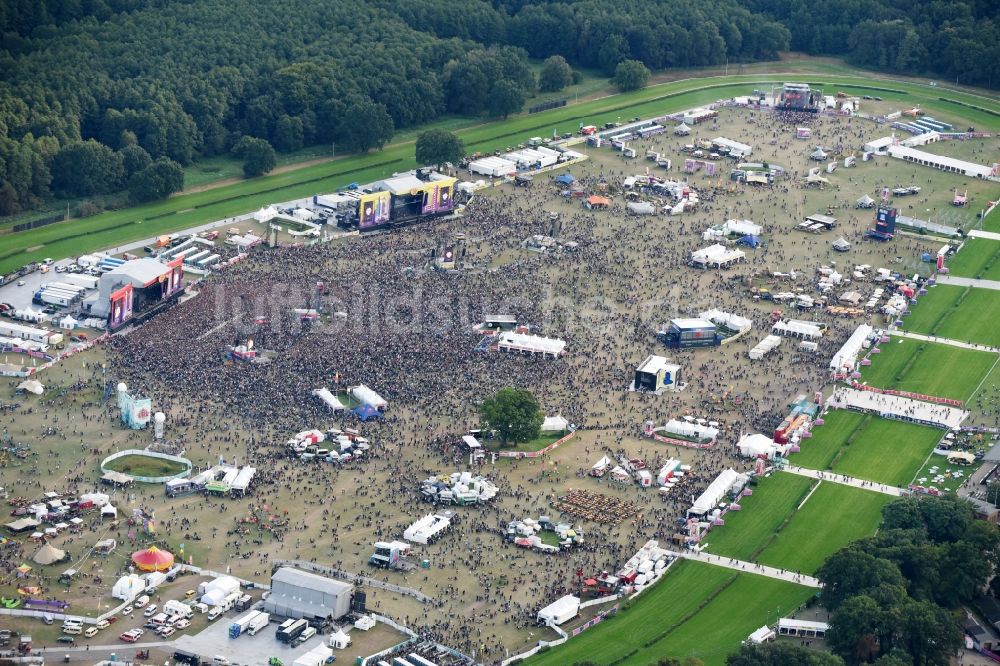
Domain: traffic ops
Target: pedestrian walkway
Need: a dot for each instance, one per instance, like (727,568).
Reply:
(844,480)
(750,567)
(979,233)
(943,341)
(968,282)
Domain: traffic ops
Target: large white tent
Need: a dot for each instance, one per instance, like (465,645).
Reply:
(728,480)
(366,396)
(331,401)
(717,255)
(757,445)
(847,356)
(128,587)
(510,341)
(554,424)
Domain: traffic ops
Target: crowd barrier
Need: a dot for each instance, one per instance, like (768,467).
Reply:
(150,454)
(907,394)
(663,439)
(537,454)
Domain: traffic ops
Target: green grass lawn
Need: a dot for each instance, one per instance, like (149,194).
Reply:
(888,451)
(832,517)
(819,451)
(746,531)
(114,228)
(719,628)
(975,319)
(958,313)
(932,369)
(710,632)
(977,259)
(536,444)
(667,603)
(931,308)
(145,466)
(951,482)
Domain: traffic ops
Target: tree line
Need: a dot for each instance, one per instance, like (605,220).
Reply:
(959,40)
(181,80)
(93,92)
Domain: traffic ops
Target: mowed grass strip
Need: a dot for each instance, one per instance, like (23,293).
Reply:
(888,451)
(746,531)
(975,319)
(820,450)
(718,629)
(931,308)
(966,314)
(832,517)
(678,595)
(923,367)
(977,259)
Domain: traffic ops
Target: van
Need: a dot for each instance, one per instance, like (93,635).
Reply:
(141,601)
(214,613)
(201,608)
(306,634)
(91,632)
(73,629)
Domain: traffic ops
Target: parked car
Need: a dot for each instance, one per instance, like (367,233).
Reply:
(150,610)
(130,636)
(182,623)
(69,640)
(103,624)
(166,630)
(128,610)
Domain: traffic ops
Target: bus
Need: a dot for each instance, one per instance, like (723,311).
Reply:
(290,630)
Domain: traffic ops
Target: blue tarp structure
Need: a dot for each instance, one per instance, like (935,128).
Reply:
(565,179)
(366,412)
(749,240)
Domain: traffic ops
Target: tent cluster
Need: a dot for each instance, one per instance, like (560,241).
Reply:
(526,533)
(341,445)
(458,488)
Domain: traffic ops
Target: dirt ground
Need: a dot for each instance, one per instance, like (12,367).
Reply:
(609,307)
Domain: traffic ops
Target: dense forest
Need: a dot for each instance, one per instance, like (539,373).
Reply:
(97,96)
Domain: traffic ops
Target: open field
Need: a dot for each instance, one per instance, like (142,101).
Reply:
(145,466)
(974,319)
(820,450)
(747,531)
(977,259)
(108,229)
(536,444)
(966,314)
(832,517)
(931,308)
(888,452)
(677,596)
(719,628)
(932,369)
(737,604)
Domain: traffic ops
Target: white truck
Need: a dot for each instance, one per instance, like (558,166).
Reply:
(242,623)
(257,623)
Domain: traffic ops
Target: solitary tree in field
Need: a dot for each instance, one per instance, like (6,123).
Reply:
(630,75)
(438,146)
(257,155)
(556,74)
(514,414)
(505,98)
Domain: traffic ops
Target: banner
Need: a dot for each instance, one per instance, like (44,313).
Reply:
(374,209)
(121,306)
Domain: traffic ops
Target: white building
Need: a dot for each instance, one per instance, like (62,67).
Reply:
(944,163)
(757,445)
(847,356)
(727,481)
(366,396)
(493,167)
(736,149)
(560,611)
(716,255)
(798,329)
(525,343)
(427,529)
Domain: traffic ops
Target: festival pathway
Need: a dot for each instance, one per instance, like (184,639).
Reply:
(750,567)
(844,480)
(942,341)
(984,234)
(968,282)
